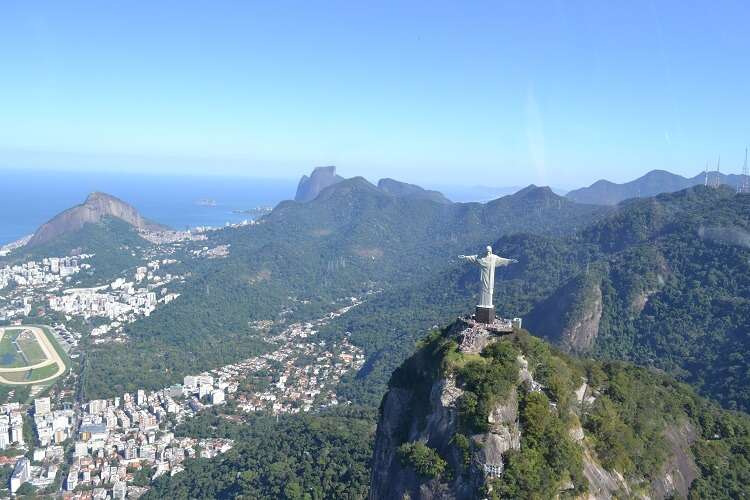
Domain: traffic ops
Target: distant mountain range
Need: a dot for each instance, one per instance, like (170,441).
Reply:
(604,192)
(323,177)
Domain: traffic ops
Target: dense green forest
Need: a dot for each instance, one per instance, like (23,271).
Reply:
(296,457)
(674,277)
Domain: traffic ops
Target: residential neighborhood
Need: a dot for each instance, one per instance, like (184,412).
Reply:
(113,448)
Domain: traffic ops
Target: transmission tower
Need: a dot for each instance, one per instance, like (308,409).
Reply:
(705,174)
(717,176)
(745,180)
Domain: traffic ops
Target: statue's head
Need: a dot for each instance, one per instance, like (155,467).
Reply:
(489,250)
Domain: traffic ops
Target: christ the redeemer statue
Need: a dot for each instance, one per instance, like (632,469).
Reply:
(487,263)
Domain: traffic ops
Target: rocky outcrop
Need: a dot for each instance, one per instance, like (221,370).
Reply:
(603,484)
(96,207)
(423,406)
(571,315)
(394,416)
(680,469)
(404,190)
(400,422)
(581,331)
(321,178)
(504,435)
(390,479)
(310,187)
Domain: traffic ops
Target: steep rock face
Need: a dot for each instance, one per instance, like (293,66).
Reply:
(571,316)
(680,469)
(390,479)
(387,472)
(437,428)
(504,434)
(603,484)
(426,405)
(93,210)
(310,187)
(404,190)
(580,333)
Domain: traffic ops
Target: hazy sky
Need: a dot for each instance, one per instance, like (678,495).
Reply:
(493,93)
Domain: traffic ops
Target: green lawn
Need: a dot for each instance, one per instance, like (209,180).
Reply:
(31,375)
(10,357)
(31,349)
(18,376)
(44,372)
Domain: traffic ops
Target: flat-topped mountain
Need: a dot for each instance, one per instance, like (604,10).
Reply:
(604,192)
(92,211)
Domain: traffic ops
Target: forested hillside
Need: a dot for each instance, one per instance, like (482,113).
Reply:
(662,282)
(295,457)
(659,281)
(520,419)
(670,289)
(305,258)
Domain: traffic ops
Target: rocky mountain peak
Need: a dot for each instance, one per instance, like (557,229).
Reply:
(310,187)
(457,424)
(96,207)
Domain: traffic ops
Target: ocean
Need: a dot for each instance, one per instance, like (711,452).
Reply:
(29,198)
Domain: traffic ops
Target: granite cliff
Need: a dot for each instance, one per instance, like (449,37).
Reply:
(474,414)
(310,187)
(322,178)
(97,207)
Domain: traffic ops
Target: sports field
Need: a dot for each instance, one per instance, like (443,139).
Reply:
(28,355)
(19,347)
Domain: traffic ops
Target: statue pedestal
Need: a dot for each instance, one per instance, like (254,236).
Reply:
(485,314)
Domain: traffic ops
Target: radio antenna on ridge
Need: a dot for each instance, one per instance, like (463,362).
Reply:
(716,182)
(744,186)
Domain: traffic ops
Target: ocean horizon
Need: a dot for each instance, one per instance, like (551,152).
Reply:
(29,198)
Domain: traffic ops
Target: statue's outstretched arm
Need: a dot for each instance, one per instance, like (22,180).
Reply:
(502,261)
(469,258)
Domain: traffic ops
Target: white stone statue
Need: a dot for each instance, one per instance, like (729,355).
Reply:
(487,263)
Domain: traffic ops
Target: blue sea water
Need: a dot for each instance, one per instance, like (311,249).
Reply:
(28,198)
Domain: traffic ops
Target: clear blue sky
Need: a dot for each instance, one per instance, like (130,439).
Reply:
(493,93)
